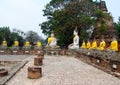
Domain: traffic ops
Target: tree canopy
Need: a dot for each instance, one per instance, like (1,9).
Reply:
(9,36)
(33,37)
(64,15)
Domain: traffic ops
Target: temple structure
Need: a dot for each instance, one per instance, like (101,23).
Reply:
(105,26)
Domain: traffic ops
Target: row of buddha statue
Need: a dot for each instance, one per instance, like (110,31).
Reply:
(52,43)
(16,43)
(102,46)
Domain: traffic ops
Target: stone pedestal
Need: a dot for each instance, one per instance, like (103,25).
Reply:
(2,52)
(34,72)
(14,51)
(26,52)
(38,61)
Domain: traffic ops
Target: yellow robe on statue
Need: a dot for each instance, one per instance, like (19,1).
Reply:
(16,43)
(27,43)
(102,45)
(83,45)
(38,44)
(88,45)
(114,45)
(50,39)
(94,45)
(4,43)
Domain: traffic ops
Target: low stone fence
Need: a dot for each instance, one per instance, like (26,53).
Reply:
(108,61)
(19,52)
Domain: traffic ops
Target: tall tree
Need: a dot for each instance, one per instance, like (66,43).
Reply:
(33,37)
(5,33)
(64,15)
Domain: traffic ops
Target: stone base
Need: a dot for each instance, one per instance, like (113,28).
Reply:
(51,51)
(27,52)
(34,72)
(2,52)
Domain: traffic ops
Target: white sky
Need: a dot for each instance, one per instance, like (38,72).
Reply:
(26,15)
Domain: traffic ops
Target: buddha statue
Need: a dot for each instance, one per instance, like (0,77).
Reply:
(88,45)
(52,42)
(16,43)
(83,44)
(75,44)
(38,44)
(114,45)
(27,44)
(4,43)
(102,45)
(94,44)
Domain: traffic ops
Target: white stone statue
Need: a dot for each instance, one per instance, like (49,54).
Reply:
(75,44)
(90,31)
(52,41)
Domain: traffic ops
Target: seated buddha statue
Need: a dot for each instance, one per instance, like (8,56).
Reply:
(4,43)
(102,45)
(38,44)
(75,44)
(94,44)
(16,43)
(114,45)
(88,45)
(27,44)
(52,42)
(83,44)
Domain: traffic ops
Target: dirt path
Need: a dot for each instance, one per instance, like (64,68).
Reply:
(63,70)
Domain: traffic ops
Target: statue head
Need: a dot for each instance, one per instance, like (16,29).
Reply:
(52,34)
(75,31)
(114,38)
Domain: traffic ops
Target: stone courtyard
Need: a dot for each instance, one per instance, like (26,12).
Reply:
(60,70)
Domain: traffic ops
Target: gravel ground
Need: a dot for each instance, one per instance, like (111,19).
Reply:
(63,70)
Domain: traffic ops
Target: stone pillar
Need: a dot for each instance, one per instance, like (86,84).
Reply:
(34,72)
(38,61)
(41,53)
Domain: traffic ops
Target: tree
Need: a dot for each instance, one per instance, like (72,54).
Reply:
(10,37)
(64,15)
(33,37)
(5,33)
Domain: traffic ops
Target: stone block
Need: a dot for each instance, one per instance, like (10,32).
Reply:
(34,72)
(38,61)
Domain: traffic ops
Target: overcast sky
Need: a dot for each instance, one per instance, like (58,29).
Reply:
(27,14)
